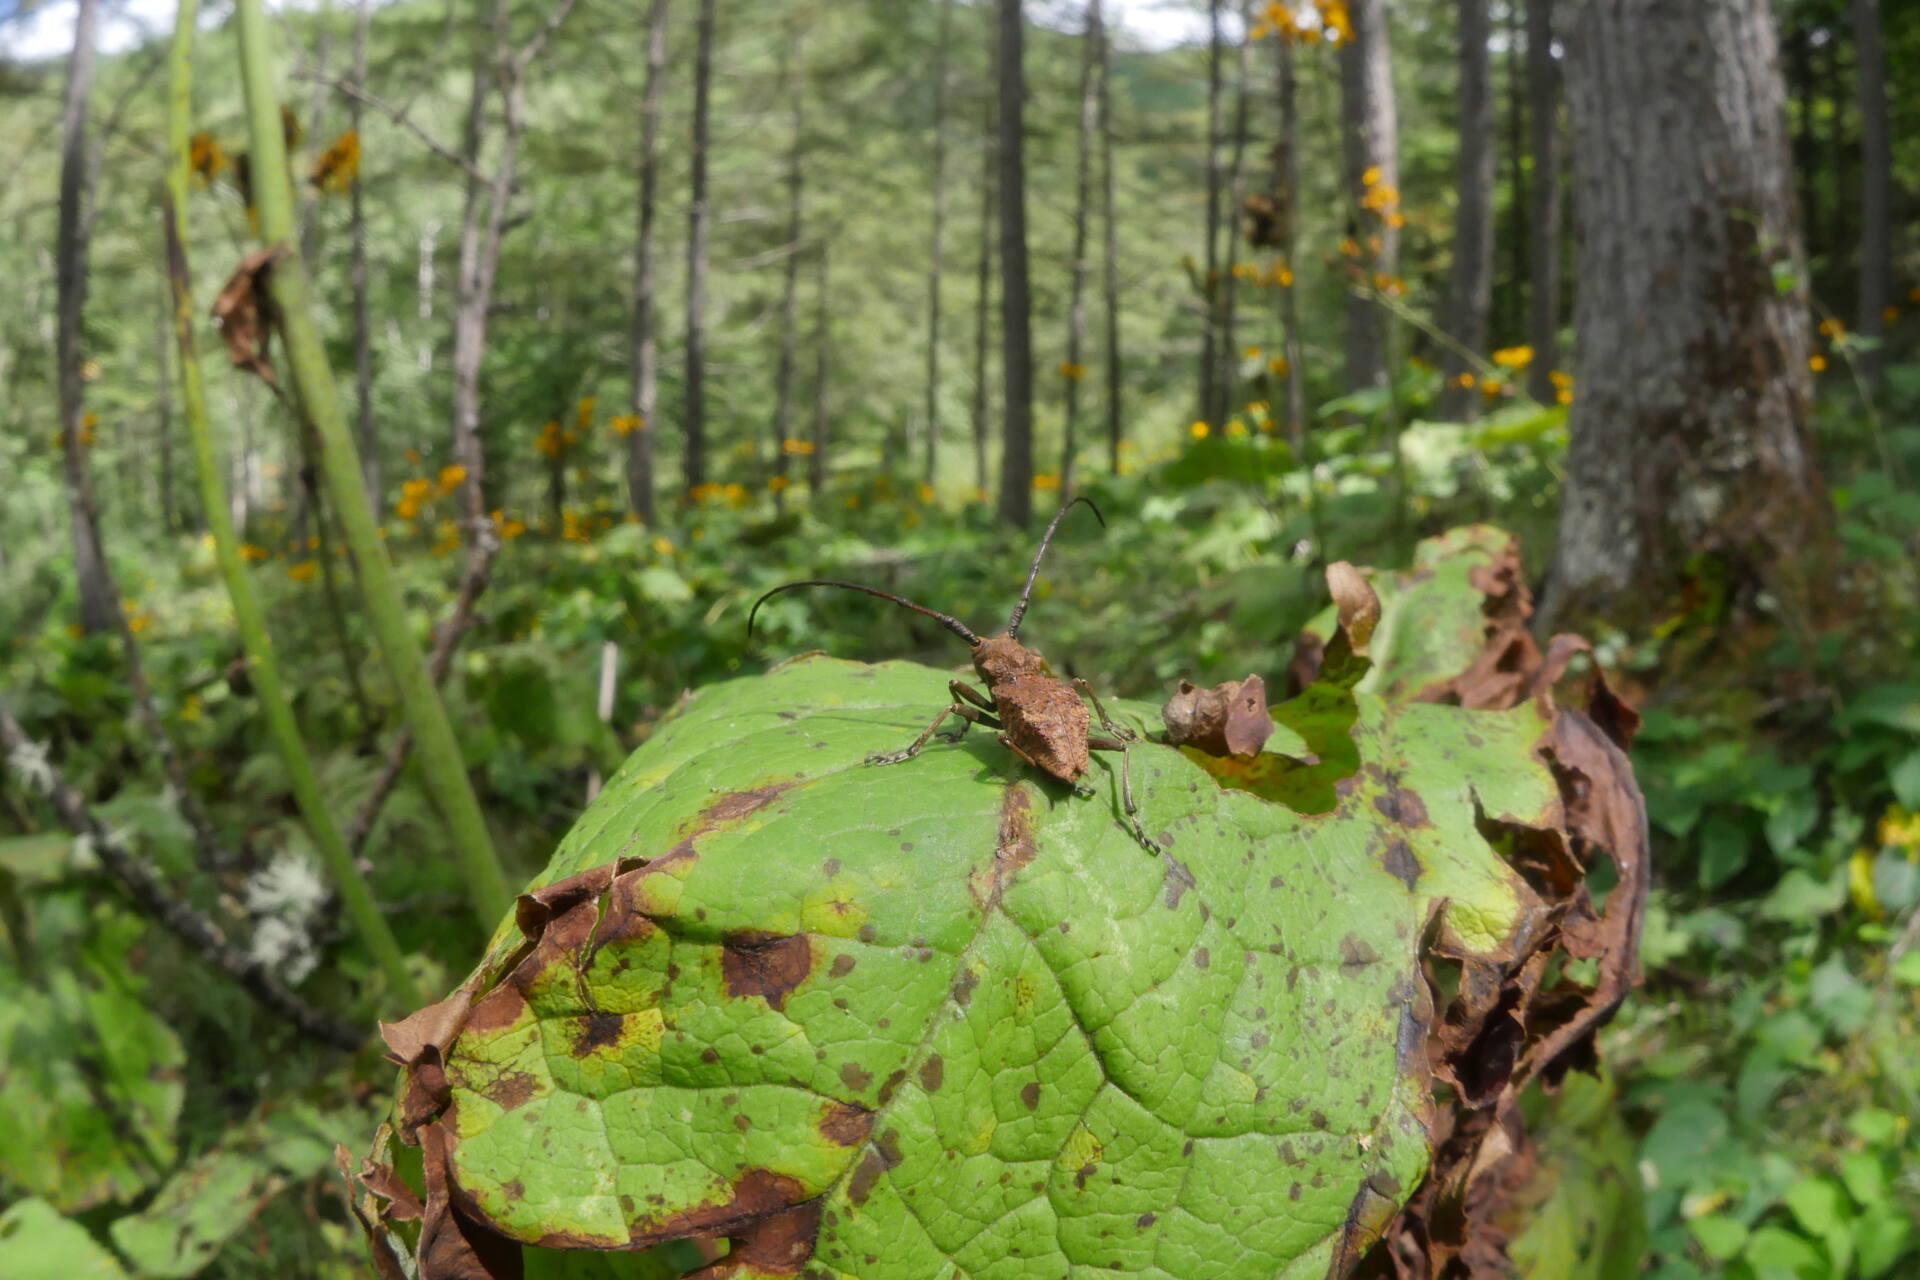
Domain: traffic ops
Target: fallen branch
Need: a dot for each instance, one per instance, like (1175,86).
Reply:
(151,898)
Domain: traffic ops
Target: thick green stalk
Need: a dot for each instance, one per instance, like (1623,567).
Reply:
(252,622)
(439,752)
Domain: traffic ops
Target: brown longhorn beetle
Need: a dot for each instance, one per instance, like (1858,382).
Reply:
(1041,718)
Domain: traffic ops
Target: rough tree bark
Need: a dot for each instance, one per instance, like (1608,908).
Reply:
(694,464)
(1287,201)
(1227,380)
(790,288)
(983,279)
(1543,222)
(1470,286)
(645,347)
(1369,142)
(931,443)
(1210,262)
(99,607)
(1016,303)
(822,339)
(1876,183)
(1110,250)
(1076,368)
(1513,309)
(1689,431)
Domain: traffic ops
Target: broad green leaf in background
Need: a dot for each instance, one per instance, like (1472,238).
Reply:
(36,1243)
(946,1018)
(92,1087)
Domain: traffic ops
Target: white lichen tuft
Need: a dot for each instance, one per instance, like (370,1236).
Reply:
(285,898)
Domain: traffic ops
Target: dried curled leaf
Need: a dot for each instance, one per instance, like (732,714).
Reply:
(245,313)
(1230,719)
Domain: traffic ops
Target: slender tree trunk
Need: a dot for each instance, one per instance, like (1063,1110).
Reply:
(1226,382)
(1470,288)
(695,461)
(1016,305)
(983,282)
(822,341)
(1110,251)
(1876,183)
(1369,138)
(1514,310)
(1210,261)
(364,434)
(473,283)
(930,445)
(1689,433)
(1287,184)
(790,289)
(164,363)
(645,361)
(1076,369)
(1842,233)
(1543,116)
(99,606)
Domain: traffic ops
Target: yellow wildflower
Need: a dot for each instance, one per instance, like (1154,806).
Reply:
(1466,381)
(1899,829)
(777,483)
(452,477)
(625,424)
(1561,379)
(1513,357)
(1817,362)
(1236,428)
(797,448)
(1071,371)
(584,411)
(1278,366)
(1251,353)
(1563,396)
(1046,482)
(1832,328)
(338,165)
(301,570)
(661,547)
(1199,430)
(1370,175)
(250,552)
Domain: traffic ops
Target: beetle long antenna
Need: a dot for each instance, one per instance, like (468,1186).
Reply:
(1026,592)
(954,625)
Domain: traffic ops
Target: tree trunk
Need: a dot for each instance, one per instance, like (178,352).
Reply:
(1369,143)
(1543,116)
(931,443)
(1226,383)
(99,607)
(1287,204)
(1016,305)
(1514,309)
(1210,277)
(983,282)
(1470,287)
(1110,251)
(1689,433)
(1076,368)
(357,273)
(822,338)
(473,283)
(645,361)
(783,378)
(694,465)
(164,414)
(1876,184)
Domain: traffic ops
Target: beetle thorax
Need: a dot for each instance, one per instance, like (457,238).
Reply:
(1000,659)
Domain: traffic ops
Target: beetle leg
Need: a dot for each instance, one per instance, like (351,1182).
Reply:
(1120,732)
(964,692)
(967,715)
(1129,810)
(1010,745)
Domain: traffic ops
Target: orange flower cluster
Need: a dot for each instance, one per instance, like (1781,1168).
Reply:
(1307,22)
(552,439)
(338,165)
(625,424)
(732,494)
(796,448)
(204,157)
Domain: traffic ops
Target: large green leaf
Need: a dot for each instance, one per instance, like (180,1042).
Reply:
(36,1243)
(90,1077)
(947,1018)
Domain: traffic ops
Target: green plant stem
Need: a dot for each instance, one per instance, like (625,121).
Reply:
(442,768)
(355,896)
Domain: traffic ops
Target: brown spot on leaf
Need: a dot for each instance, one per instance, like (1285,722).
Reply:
(846,1124)
(842,966)
(1030,1095)
(757,963)
(1357,953)
(1176,880)
(963,984)
(511,1089)
(855,1077)
(1013,848)
(933,1073)
(597,1030)
(1400,805)
(1400,862)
